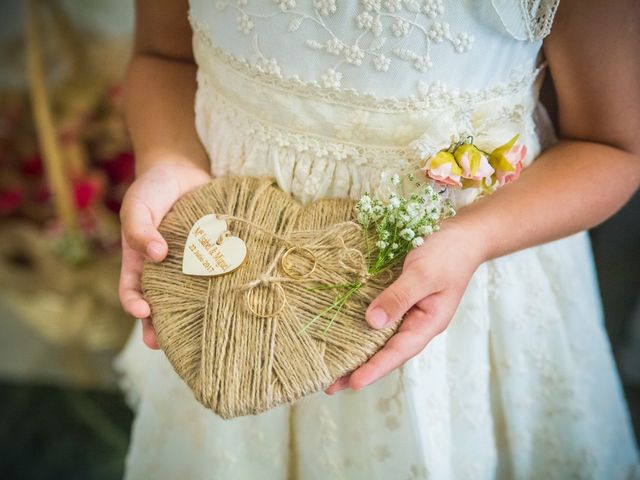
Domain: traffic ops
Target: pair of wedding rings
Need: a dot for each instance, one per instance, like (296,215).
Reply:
(286,267)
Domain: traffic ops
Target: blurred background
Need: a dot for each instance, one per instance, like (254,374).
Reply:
(65,163)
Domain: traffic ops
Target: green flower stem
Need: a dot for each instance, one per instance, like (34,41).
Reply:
(338,302)
(347,296)
(329,287)
(366,238)
(325,310)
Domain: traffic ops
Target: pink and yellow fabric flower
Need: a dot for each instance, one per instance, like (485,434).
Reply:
(444,169)
(465,165)
(507,161)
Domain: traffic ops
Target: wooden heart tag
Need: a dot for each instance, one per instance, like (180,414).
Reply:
(208,251)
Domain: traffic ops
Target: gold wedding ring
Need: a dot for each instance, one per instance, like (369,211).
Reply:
(288,270)
(281,294)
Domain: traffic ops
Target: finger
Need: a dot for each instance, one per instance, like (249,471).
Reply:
(140,231)
(423,322)
(339,384)
(393,302)
(129,286)
(149,334)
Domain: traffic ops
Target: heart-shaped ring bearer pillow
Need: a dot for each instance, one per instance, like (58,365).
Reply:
(230,301)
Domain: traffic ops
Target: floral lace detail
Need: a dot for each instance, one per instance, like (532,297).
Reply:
(539,16)
(432,96)
(380,21)
(383,26)
(392,406)
(327,437)
(527,19)
(344,144)
(297,141)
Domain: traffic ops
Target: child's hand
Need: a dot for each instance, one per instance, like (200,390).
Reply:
(434,277)
(145,204)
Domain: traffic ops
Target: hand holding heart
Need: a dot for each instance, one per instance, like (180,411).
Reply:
(146,202)
(427,294)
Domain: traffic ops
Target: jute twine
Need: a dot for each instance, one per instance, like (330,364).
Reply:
(234,338)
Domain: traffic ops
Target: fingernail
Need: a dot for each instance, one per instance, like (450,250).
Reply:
(154,249)
(378,317)
(338,386)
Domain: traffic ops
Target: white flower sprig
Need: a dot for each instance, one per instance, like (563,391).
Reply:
(400,224)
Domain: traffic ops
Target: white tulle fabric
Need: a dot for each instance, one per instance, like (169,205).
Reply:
(331,97)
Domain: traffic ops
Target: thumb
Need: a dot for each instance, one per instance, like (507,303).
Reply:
(393,302)
(141,233)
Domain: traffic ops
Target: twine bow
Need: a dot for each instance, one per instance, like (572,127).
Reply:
(266,278)
(350,259)
(359,267)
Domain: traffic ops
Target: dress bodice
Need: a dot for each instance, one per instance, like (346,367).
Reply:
(331,95)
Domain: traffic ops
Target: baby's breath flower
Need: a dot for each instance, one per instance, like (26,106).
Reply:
(413,209)
(362,217)
(377,211)
(450,211)
(394,201)
(425,230)
(365,202)
(399,223)
(407,234)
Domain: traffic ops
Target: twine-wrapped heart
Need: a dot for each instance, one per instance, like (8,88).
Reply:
(234,338)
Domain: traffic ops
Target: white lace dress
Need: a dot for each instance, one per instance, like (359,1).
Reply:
(327,96)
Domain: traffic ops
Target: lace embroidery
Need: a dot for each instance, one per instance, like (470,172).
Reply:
(320,146)
(429,96)
(342,148)
(381,20)
(378,21)
(392,406)
(527,19)
(327,438)
(539,16)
